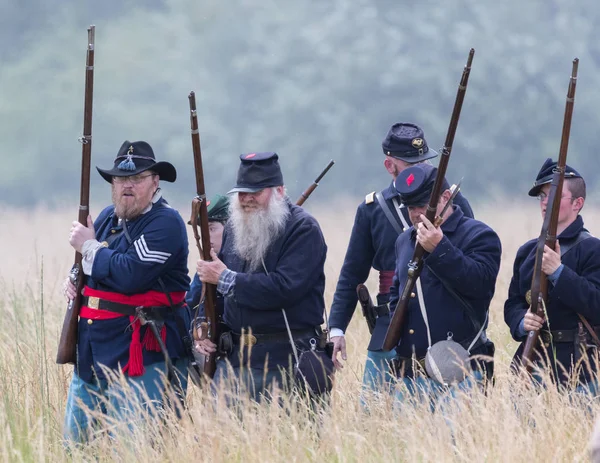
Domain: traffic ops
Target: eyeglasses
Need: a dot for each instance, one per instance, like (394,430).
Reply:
(134,179)
(543,196)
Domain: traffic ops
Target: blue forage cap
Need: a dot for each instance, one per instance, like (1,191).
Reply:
(407,142)
(545,174)
(415,183)
(258,171)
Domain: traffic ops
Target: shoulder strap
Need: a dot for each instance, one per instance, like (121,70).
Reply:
(584,235)
(388,213)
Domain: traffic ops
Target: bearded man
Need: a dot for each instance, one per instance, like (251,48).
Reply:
(135,269)
(271,273)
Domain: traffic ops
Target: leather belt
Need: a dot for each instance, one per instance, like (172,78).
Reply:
(565,335)
(117,307)
(250,339)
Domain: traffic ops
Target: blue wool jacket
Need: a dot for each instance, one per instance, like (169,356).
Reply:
(467,259)
(295,281)
(577,290)
(130,269)
(371,246)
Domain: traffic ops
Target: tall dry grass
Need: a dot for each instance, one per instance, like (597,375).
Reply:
(512,423)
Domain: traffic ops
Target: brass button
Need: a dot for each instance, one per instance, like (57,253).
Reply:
(113,231)
(90,321)
(412,294)
(411,331)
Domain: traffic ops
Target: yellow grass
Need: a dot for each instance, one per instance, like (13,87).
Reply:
(511,423)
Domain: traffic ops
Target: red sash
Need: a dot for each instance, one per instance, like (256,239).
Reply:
(135,365)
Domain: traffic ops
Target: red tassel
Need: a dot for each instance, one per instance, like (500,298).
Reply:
(150,343)
(135,366)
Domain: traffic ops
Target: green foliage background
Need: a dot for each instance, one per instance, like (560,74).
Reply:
(312,80)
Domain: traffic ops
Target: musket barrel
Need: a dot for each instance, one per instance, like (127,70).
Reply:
(392,337)
(67,345)
(539,283)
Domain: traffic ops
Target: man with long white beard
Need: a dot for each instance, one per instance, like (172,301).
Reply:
(135,269)
(271,273)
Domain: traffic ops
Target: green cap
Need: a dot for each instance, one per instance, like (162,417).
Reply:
(218,208)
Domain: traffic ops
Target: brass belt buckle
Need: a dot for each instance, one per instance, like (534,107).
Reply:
(93,302)
(246,339)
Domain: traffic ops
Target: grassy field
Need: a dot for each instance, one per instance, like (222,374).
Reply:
(512,423)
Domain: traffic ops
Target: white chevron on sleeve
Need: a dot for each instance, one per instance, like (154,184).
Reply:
(146,255)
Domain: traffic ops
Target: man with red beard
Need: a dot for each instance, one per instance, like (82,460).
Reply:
(135,269)
(271,272)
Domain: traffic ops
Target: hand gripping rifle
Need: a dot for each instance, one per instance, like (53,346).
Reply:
(67,345)
(539,282)
(415,266)
(369,309)
(209,328)
(304,196)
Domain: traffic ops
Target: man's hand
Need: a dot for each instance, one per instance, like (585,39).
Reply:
(551,259)
(205,347)
(532,322)
(339,346)
(69,289)
(80,234)
(209,272)
(428,236)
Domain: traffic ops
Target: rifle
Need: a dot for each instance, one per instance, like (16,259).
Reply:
(67,345)
(304,196)
(369,309)
(539,282)
(415,266)
(209,328)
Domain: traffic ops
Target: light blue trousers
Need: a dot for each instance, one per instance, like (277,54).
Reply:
(111,399)
(378,373)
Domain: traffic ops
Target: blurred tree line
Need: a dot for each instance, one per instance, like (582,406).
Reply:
(311,80)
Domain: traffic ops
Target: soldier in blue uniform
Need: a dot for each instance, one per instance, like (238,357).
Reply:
(271,273)
(453,293)
(378,222)
(573,271)
(218,213)
(134,256)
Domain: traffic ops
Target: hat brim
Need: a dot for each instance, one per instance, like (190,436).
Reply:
(244,190)
(415,159)
(165,171)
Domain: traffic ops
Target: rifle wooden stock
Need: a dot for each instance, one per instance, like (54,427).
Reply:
(199,209)
(304,196)
(539,282)
(415,266)
(67,345)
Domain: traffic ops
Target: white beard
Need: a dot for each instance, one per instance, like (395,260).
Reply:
(253,232)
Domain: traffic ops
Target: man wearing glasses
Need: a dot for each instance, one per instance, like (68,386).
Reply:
(135,269)
(573,271)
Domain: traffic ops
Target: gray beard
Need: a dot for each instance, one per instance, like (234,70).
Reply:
(254,232)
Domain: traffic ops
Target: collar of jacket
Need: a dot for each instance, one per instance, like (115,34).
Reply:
(573,230)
